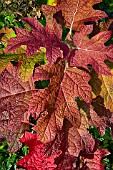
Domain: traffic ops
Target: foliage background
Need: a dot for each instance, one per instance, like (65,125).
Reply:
(10,13)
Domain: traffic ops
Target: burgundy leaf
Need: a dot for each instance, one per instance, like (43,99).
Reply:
(48,37)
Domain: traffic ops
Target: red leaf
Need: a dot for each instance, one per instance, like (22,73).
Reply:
(48,37)
(58,99)
(75,12)
(36,159)
(92,51)
(14,102)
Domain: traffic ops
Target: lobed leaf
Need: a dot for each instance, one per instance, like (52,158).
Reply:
(57,101)
(75,12)
(92,51)
(63,109)
(25,64)
(6,34)
(36,159)
(48,37)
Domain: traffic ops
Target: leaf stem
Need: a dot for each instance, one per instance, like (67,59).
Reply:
(70,31)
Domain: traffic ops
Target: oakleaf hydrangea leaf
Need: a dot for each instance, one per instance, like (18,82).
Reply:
(14,102)
(6,35)
(107,90)
(25,64)
(93,161)
(48,37)
(75,12)
(92,51)
(36,159)
(58,100)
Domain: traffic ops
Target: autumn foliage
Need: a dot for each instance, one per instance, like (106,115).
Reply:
(79,93)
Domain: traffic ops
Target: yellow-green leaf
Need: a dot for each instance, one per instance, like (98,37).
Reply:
(27,66)
(52,2)
(8,33)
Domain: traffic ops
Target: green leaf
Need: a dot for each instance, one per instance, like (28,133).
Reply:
(25,150)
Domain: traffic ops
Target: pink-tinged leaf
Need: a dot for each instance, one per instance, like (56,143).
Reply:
(48,37)
(14,102)
(36,159)
(92,51)
(75,12)
(57,101)
(93,161)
